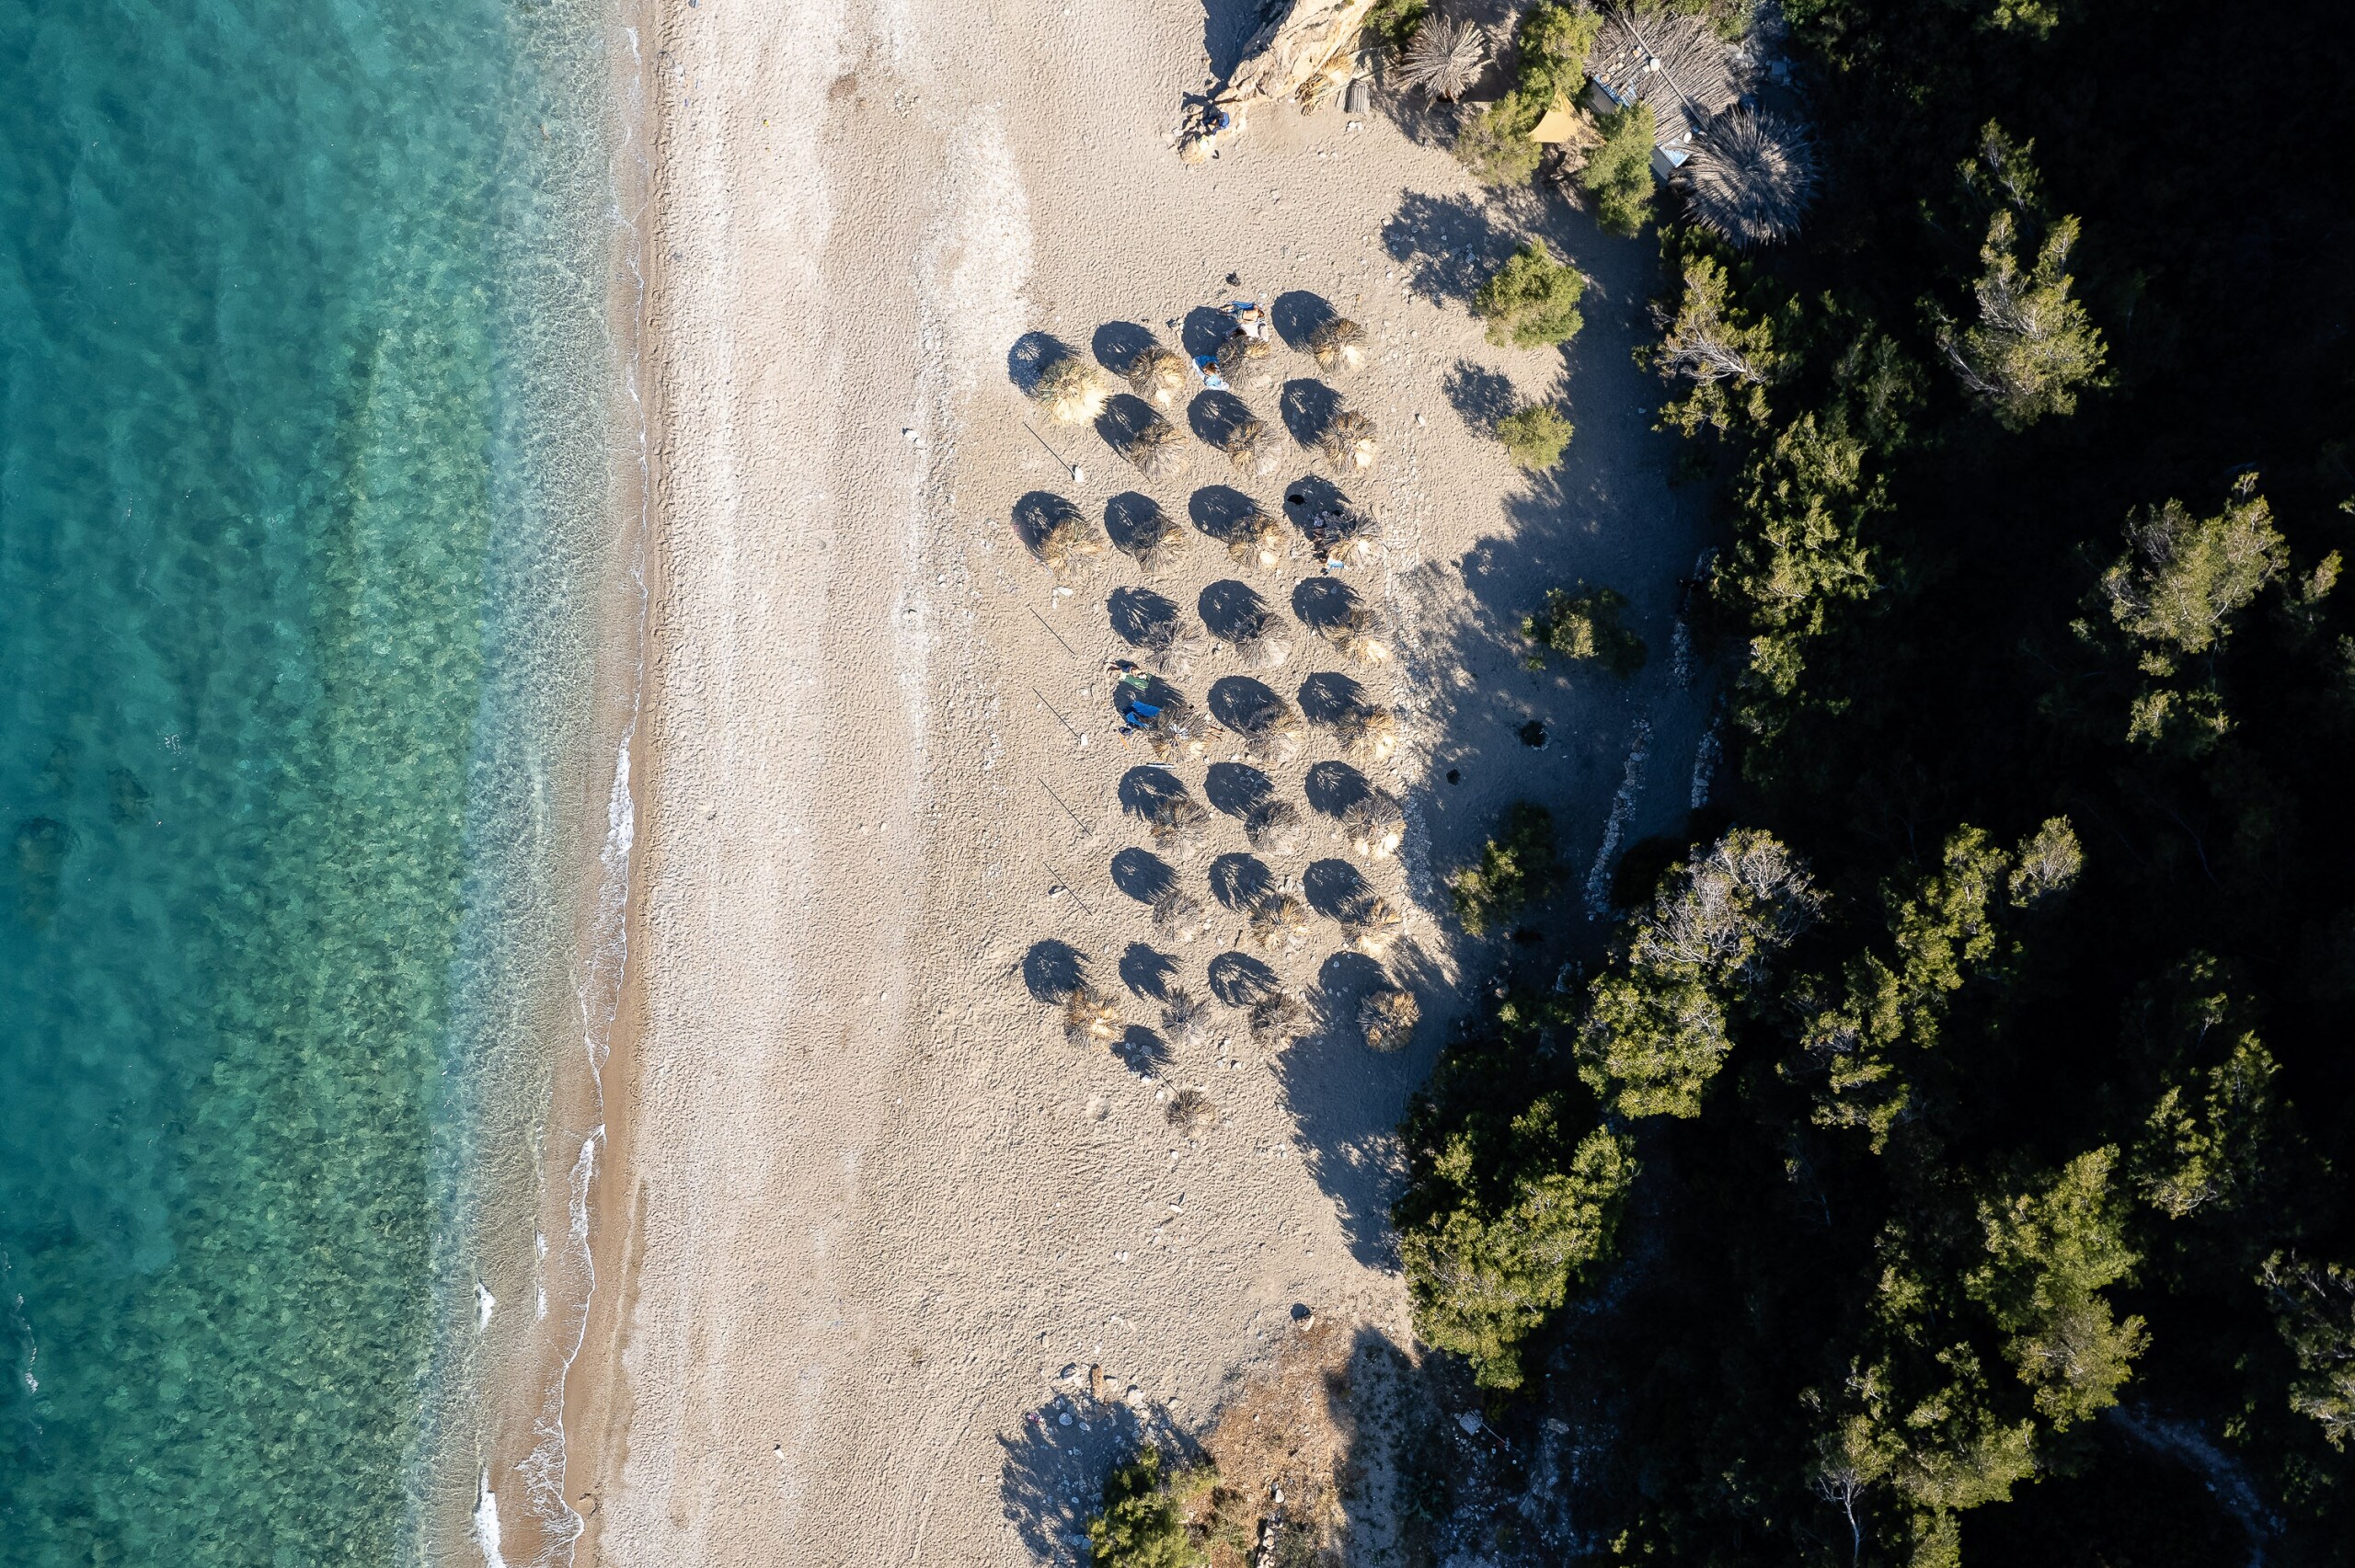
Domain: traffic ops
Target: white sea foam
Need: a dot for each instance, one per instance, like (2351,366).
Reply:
(486,1517)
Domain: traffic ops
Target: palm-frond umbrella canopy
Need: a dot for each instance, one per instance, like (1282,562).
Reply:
(1192,1113)
(1259,539)
(1178,915)
(1371,923)
(1374,826)
(1158,375)
(1071,391)
(1091,1018)
(1445,57)
(1349,444)
(1185,1019)
(1276,1020)
(1356,633)
(1387,1015)
(1159,448)
(1256,450)
(1339,345)
(1368,732)
(1273,827)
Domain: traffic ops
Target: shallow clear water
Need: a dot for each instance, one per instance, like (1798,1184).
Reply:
(303,506)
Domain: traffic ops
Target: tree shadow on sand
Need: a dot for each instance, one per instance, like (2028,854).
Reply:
(1346,1099)
(1449,244)
(1052,1468)
(1479,396)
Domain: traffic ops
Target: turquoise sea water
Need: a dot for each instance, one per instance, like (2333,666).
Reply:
(304,394)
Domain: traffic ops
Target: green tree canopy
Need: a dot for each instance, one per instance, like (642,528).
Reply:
(1532,300)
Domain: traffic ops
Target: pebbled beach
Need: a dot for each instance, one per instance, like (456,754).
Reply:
(863,1207)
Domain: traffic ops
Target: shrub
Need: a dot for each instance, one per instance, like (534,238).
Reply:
(1392,23)
(1143,1521)
(1532,301)
(1535,435)
(1495,144)
(1553,41)
(1619,171)
(1585,625)
(1515,871)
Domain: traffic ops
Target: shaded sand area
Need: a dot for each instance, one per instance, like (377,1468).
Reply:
(866,1206)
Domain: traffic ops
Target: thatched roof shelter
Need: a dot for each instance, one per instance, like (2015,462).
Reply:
(1445,57)
(1750,176)
(1671,60)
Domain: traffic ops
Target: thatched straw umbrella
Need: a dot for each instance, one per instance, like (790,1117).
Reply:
(1066,544)
(1750,176)
(1178,915)
(1269,727)
(1355,633)
(1445,57)
(1192,1113)
(1159,448)
(1348,444)
(1339,345)
(1090,1017)
(1179,823)
(1387,1015)
(1254,449)
(1071,391)
(1186,1019)
(1278,1019)
(1273,827)
(1371,922)
(1159,375)
(1176,730)
(1339,535)
(1368,732)
(1280,919)
(1239,352)
(1155,542)
(1262,638)
(1372,826)
(1259,539)
(1169,648)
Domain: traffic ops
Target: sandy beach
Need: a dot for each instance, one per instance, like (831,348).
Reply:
(862,1205)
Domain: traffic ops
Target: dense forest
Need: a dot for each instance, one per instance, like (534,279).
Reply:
(1949,1161)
